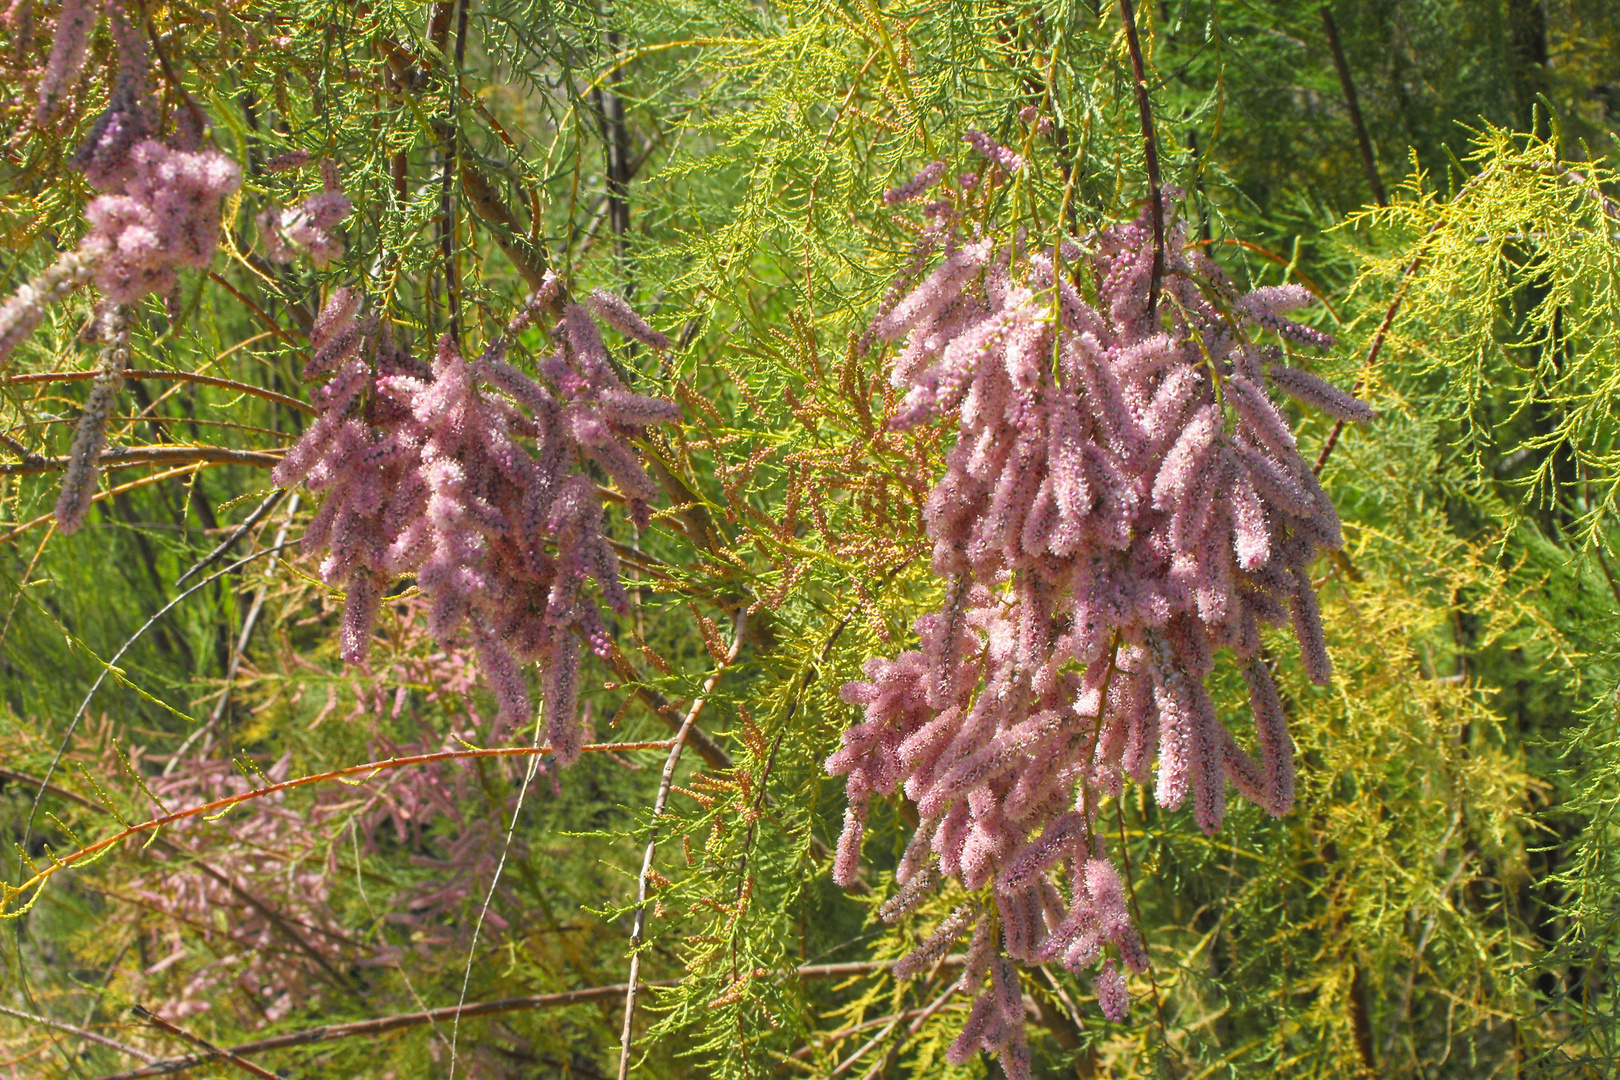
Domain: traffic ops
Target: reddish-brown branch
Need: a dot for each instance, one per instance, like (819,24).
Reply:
(214,1052)
(1150,150)
(182,376)
(217,806)
(271,324)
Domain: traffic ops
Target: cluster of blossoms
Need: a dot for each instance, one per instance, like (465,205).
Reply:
(158,213)
(1123,500)
(308,227)
(427,472)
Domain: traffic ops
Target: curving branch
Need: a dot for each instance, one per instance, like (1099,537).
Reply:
(8,893)
(122,457)
(181,376)
(676,745)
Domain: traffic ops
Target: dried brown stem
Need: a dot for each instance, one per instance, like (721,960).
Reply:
(1150,150)
(1352,104)
(123,457)
(214,1053)
(384,1024)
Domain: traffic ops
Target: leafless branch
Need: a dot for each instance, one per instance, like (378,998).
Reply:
(639,927)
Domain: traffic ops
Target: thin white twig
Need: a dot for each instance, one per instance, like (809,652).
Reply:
(506,847)
(639,928)
(252,620)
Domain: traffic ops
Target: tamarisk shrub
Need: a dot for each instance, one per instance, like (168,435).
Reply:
(462,474)
(1123,500)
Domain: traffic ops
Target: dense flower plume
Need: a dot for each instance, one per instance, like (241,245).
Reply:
(428,472)
(1123,500)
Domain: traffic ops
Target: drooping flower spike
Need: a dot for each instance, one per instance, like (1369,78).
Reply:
(1105,524)
(470,476)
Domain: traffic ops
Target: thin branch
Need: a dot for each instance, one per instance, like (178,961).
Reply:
(370,768)
(639,927)
(213,1052)
(1354,106)
(88,1036)
(282,924)
(1150,150)
(887,1061)
(240,531)
(382,1025)
(145,481)
(1389,318)
(248,623)
(123,457)
(6,892)
(700,740)
(182,376)
(271,324)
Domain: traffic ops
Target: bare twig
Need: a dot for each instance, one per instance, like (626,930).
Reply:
(180,376)
(240,531)
(369,768)
(214,1053)
(1354,106)
(916,1026)
(383,1025)
(6,891)
(248,623)
(88,1036)
(700,740)
(639,926)
(123,457)
(1150,150)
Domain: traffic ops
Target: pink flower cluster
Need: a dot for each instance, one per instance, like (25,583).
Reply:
(1123,500)
(428,472)
(162,218)
(160,208)
(308,227)
(159,213)
(992,151)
